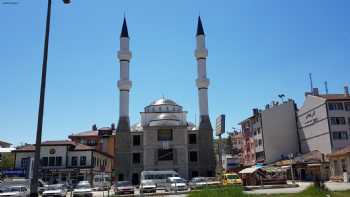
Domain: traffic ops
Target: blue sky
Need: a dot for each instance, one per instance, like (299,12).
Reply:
(257,50)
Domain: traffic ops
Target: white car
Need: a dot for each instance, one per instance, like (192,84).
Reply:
(148,186)
(57,190)
(83,189)
(176,184)
(18,191)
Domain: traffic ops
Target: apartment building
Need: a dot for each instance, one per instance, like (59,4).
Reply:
(270,134)
(324,121)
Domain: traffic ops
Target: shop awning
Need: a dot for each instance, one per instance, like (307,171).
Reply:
(249,170)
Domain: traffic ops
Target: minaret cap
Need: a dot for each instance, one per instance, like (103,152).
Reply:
(200,30)
(124,32)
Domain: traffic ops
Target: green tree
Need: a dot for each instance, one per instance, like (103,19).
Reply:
(6,160)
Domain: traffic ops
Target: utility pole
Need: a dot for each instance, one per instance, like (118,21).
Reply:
(34,180)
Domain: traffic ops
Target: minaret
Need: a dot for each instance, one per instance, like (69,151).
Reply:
(123,148)
(124,84)
(201,54)
(206,158)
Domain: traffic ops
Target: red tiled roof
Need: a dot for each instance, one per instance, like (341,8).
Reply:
(343,151)
(25,148)
(85,133)
(77,146)
(335,96)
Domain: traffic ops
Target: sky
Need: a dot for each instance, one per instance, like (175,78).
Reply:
(257,50)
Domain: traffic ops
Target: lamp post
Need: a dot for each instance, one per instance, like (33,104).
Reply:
(291,156)
(34,180)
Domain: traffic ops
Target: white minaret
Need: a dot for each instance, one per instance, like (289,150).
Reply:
(124,84)
(201,54)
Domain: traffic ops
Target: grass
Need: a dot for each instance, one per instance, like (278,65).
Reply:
(235,191)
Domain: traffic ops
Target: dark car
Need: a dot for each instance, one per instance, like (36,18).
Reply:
(123,187)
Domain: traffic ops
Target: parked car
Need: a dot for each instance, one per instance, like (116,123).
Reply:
(57,190)
(176,184)
(148,186)
(102,182)
(198,182)
(231,179)
(83,189)
(16,191)
(124,187)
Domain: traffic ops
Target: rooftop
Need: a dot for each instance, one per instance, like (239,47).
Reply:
(77,146)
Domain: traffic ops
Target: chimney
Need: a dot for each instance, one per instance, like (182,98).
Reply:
(255,111)
(94,127)
(315,92)
(113,126)
(346,91)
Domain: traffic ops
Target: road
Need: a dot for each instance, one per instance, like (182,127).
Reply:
(137,193)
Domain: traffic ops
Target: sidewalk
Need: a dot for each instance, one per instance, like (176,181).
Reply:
(302,186)
(337,186)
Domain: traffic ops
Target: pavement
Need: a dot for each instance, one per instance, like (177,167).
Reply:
(302,187)
(137,193)
(337,186)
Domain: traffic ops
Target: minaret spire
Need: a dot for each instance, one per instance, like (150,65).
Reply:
(124,32)
(201,54)
(124,84)
(200,30)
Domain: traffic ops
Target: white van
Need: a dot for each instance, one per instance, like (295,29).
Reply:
(102,182)
(158,177)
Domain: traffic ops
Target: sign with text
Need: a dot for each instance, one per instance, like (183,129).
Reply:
(220,125)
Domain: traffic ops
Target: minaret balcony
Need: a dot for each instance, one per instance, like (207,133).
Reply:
(124,55)
(202,83)
(201,53)
(124,85)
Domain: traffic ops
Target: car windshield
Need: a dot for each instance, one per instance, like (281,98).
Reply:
(54,187)
(14,189)
(178,181)
(147,182)
(83,186)
(198,179)
(123,183)
(232,176)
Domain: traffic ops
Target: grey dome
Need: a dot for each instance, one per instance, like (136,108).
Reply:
(163,101)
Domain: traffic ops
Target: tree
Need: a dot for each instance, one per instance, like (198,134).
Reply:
(6,160)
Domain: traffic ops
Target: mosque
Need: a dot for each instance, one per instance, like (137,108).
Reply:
(164,139)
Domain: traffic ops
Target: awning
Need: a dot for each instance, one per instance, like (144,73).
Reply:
(314,164)
(249,170)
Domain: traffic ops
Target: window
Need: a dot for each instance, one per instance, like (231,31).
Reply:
(337,120)
(193,156)
(44,161)
(51,161)
(82,160)
(165,154)
(120,177)
(93,161)
(136,140)
(24,162)
(260,142)
(91,142)
(136,158)
(347,106)
(74,161)
(340,135)
(58,161)
(349,121)
(343,165)
(165,135)
(192,138)
(82,141)
(194,174)
(335,106)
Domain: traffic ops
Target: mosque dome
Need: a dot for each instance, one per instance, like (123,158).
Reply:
(163,105)
(163,101)
(165,119)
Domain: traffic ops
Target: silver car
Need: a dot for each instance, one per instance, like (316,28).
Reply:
(18,191)
(58,190)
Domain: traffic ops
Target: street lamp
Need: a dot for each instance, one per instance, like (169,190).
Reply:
(34,180)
